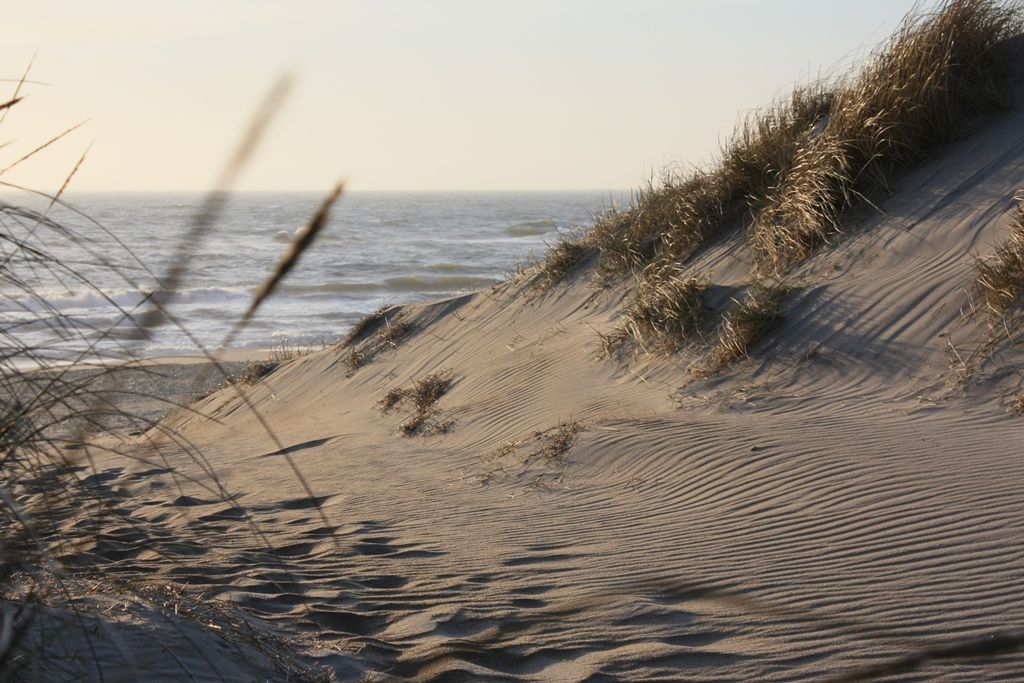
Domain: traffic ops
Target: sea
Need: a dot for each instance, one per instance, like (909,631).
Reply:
(78,281)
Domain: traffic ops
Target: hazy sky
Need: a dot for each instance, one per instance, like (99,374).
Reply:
(408,95)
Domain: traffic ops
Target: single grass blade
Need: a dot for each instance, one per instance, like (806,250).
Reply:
(43,146)
(10,103)
(17,89)
(303,240)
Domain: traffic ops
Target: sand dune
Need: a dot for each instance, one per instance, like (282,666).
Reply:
(841,498)
(834,501)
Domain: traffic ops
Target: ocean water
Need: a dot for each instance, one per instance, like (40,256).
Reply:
(379,248)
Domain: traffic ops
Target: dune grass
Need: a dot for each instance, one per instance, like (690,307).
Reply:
(999,278)
(671,217)
(255,370)
(793,171)
(795,174)
(422,397)
(667,309)
(752,319)
(561,260)
(923,88)
(384,329)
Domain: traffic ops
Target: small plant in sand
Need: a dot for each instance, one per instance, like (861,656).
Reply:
(547,448)
(667,309)
(256,370)
(999,278)
(749,322)
(556,441)
(422,396)
(380,331)
(366,325)
(284,349)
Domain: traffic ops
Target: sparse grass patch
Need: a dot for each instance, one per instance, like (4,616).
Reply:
(999,279)
(255,370)
(365,325)
(380,331)
(285,349)
(391,399)
(556,441)
(614,343)
(667,309)
(544,463)
(759,313)
(925,86)
(423,396)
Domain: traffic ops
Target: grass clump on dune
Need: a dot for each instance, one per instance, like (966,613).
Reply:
(673,217)
(383,329)
(667,309)
(999,280)
(929,82)
(561,260)
(758,314)
(255,370)
(423,396)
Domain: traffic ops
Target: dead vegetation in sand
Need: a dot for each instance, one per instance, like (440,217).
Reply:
(752,318)
(667,309)
(542,465)
(671,217)
(382,330)
(254,371)
(997,294)
(561,260)
(422,398)
(999,279)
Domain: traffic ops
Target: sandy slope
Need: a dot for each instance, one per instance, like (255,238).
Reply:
(831,502)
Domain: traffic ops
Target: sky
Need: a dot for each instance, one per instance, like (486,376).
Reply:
(407,95)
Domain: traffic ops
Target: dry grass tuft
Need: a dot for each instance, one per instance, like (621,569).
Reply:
(556,441)
(366,325)
(285,349)
(667,309)
(423,396)
(256,370)
(758,314)
(999,280)
(561,260)
(378,332)
(921,89)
